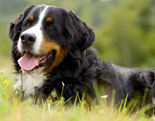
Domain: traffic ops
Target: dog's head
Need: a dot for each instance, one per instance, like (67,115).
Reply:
(44,35)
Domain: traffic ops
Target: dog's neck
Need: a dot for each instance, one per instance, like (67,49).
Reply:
(28,82)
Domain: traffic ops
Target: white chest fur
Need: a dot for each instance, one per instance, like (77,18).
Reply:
(29,81)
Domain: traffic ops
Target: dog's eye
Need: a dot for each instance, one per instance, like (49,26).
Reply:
(28,24)
(51,27)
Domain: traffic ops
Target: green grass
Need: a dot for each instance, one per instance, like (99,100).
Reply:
(12,109)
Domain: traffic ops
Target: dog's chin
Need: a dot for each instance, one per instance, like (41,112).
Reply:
(29,61)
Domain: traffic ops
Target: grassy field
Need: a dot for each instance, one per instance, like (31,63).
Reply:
(130,45)
(12,109)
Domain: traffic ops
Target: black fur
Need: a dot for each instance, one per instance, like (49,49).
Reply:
(81,68)
(14,33)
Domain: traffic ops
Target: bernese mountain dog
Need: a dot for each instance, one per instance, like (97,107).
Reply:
(51,50)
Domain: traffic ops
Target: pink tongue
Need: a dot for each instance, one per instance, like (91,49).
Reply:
(28,62)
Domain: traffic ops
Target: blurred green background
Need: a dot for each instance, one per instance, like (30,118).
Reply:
(125,29)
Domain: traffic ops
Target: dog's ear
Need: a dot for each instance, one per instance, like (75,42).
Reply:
(79,36)
(15,26)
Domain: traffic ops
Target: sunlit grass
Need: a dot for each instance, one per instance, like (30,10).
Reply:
(12,109)
(5,63)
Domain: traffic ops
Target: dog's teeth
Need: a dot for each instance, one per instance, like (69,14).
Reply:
(42,57)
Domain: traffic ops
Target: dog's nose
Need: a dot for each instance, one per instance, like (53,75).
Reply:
(28,39)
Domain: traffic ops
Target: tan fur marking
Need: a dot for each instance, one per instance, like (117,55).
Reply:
(31,18)
(49,19)
(61,52)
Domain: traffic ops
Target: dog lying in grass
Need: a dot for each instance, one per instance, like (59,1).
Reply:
(52,50)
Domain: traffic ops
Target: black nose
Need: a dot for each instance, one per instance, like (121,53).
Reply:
(28,39)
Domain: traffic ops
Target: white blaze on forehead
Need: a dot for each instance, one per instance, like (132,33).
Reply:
(36,30)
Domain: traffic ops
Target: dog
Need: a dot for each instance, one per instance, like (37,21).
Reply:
(52,50)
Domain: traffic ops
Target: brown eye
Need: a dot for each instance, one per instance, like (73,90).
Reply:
(28,24)
(51,27)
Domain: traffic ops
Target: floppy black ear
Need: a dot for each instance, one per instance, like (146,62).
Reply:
(14,33)
(79,35)
(15,26)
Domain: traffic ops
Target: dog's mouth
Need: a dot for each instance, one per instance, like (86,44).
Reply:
(29,61)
